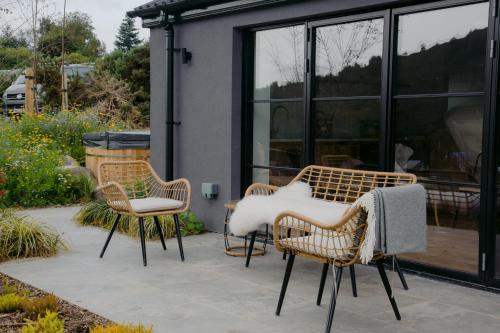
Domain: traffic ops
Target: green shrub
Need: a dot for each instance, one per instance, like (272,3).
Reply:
(39,306)
(121,329)
(50,323)
(64,129)
(191,224)
(11,303)
(22,237)
(32,152)
(10,288)
(15,57)
(99,214)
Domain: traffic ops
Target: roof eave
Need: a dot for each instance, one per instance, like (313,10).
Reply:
(173,8)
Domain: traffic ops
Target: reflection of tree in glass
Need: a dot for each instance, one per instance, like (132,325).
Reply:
(290,72)
(344,45)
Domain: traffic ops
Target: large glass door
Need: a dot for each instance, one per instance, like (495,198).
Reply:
(277,105)
(346,89)
(403,89)
(438,100)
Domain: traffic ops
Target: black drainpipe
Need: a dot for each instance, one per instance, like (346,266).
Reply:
(169,144)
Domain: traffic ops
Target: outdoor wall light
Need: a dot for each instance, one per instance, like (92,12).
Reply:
(209,190)
(186,55)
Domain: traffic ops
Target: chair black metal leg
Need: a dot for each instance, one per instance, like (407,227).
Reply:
(400,273)
(333,300)
(322,283)
(160,231)
(387,286)
(143,241)
(179,236)
(117,219)
(353,281)
(284,255)
(250,248)
(288,271)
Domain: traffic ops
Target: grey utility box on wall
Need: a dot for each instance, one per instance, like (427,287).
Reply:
(209,190)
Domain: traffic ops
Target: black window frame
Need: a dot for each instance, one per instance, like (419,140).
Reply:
(486,251)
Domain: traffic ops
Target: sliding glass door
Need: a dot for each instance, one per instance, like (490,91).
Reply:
(438,97)
(277,104)
(403,89)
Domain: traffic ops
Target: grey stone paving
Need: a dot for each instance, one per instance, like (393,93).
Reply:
(212,292)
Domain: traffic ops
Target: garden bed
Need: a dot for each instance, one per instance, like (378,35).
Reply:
(76,319)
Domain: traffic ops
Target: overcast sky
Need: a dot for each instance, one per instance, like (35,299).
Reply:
(105,14)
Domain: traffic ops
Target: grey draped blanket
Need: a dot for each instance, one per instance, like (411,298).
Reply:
(401,225)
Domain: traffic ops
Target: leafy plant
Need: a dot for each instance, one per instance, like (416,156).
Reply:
(99,214)
(121,329)
(22,236)
(11,303)
(191,224)
(32,152)
(39,306)
(50,323)
(10,288)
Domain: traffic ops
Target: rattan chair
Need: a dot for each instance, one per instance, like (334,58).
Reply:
(338,245)
(133,188)
(330,184)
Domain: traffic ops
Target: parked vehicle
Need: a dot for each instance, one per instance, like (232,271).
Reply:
(15,95)
(81,70)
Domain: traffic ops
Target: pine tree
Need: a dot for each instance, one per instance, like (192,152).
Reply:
(127,36)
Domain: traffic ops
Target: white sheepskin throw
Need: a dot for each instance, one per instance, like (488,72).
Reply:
(255,210)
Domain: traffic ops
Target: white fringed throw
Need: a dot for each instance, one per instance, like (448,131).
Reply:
(367,203)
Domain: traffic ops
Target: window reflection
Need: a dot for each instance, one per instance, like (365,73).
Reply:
(442,51)
(439,140)
(347,134)
(278,134)
(349,59)
(277,177)
(279,63)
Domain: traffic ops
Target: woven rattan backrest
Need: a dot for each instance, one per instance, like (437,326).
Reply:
(346,185)
(136,177)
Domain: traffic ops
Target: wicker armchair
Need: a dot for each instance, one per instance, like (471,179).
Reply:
(338,245)
(133,188)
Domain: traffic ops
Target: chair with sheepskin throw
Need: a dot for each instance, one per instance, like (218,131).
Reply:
(328,188)
(340,244)
(133,188)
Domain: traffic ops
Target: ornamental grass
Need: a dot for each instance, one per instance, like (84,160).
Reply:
(99,214)
(23,237)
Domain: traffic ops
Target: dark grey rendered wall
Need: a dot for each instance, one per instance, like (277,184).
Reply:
(208,98)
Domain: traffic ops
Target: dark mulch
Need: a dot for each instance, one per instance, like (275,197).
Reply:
(76,319)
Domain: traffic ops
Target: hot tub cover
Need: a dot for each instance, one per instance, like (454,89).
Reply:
(117,140)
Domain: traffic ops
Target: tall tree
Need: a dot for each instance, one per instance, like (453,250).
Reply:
(11,39)
(128,36)
(79,36)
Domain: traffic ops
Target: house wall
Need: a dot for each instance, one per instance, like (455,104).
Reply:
(208,97)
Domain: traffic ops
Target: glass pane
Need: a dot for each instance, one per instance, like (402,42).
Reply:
(279,63)
(349,59)
(442,50)
(273,176)
(278,130)
(439,140)
(347,134)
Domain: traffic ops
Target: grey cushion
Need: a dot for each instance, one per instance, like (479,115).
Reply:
(154,204)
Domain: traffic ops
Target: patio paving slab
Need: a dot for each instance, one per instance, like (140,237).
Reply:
(212,292)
